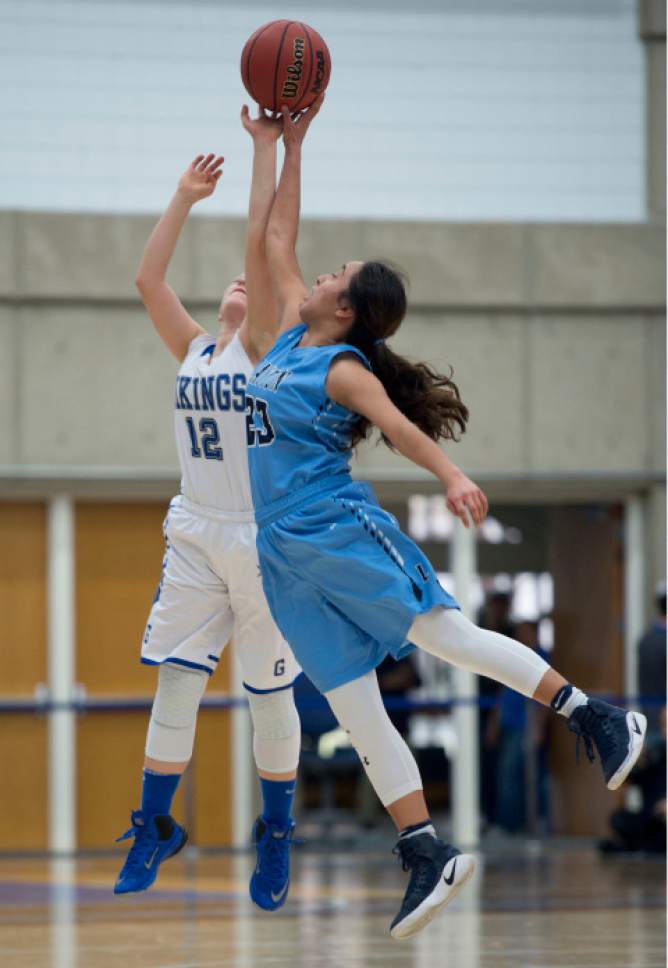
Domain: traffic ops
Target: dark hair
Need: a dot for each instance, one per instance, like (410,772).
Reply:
(661,604)
(429,399)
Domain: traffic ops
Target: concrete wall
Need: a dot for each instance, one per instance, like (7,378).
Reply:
(555,333)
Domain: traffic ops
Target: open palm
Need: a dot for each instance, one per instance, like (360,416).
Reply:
(199,180)
(264,127)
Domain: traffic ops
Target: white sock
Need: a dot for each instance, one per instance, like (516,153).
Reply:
(567,700)
(426,828)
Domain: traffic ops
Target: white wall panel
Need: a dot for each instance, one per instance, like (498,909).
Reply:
(495,110)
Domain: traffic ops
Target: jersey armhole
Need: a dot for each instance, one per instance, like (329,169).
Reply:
(345,350)
(200,343)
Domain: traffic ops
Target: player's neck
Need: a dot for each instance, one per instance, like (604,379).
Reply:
(322,333)
(226,334)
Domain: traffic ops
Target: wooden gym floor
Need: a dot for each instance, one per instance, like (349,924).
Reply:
(548,908)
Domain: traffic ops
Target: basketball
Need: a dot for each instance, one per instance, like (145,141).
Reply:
(285,62)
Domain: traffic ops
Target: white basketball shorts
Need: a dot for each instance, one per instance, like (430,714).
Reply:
(210,592)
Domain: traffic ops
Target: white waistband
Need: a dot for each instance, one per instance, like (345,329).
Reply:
(218,514)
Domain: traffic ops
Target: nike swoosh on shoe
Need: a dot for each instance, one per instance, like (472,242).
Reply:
(450,880)
(149,864)
(277,897)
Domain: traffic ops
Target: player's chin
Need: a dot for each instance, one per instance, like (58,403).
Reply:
(236,301)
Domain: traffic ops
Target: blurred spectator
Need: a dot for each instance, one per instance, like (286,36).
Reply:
(652,670)
(521,726)
(396,678)
(494,615)
(645,829)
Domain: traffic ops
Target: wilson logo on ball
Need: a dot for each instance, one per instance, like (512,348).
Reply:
(294,70)
(285,62)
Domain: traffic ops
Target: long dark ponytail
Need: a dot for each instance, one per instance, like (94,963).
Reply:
(429,399)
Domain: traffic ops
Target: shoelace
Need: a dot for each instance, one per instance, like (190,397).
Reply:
(141,848)
(275,856)
(596,725)
(418,862)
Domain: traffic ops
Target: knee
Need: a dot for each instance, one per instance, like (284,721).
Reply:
(274,714)
(277,731)
(171,731)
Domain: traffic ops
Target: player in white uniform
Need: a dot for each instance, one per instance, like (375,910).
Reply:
(210,589)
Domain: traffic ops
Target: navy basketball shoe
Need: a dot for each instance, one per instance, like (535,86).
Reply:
(270,880)
(155,841)
(617,735)
(438,873)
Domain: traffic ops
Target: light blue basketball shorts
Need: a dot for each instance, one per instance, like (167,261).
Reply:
(344,583)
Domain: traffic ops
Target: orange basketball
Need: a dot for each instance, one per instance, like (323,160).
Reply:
(285,62)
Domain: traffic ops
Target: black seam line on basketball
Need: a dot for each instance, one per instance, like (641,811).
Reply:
(277,104)
(307,86)
(250,88)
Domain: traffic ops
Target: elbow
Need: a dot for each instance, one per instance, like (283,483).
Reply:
(145,285)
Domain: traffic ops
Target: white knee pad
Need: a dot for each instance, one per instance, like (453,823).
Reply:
(388,762)
(277,730)
(171,730)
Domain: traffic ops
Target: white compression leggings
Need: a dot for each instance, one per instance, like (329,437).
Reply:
(447,634)
(171,730)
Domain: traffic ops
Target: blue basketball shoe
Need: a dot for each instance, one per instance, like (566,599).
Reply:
(617,735)
(438,873)
(270,880)
(155,841)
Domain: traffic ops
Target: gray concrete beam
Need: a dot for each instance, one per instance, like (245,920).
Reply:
(500,266)
(607,266)
(9,273)
(89,256)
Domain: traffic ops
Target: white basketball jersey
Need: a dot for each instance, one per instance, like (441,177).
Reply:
(210,425)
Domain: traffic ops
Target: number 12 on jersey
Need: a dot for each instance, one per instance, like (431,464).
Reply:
(208,443)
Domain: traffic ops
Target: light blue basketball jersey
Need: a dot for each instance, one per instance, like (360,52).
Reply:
(297,435)
(343,582)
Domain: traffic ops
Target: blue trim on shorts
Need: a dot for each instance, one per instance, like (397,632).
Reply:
(214,658)
(265,692)
(181,662)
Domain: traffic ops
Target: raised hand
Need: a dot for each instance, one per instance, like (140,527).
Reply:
(295,127)
(265,127)
(199,180)
(463,495)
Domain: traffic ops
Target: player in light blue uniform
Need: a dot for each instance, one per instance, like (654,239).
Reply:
(344,584)
(314,520)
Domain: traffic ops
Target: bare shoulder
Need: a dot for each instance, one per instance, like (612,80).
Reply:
(348,379)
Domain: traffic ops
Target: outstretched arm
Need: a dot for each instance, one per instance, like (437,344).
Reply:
(353,386)
(258,333)
(283,226)
(175,326)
